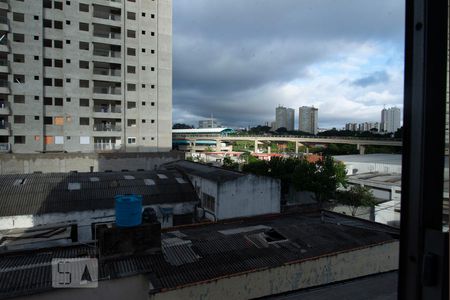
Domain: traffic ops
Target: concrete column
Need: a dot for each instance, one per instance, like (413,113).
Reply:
(192,146)
(296,147)
(218,145)
(362,149)
(269,149)
(256,146)
(307,149)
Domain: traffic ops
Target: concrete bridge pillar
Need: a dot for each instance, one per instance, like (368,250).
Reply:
(361,148)
(256,146)
(269,149)
(192,143)
(218,145)
(307,149)
(296,147)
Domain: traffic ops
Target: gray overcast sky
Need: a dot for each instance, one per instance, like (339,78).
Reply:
(239,59)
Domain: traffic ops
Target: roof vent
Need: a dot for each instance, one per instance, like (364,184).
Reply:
(128,177)
(162,176)
(180,180)
(20,181)
(74,186)
(94,179)
(149,182)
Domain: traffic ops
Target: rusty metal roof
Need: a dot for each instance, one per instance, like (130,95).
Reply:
(35,194)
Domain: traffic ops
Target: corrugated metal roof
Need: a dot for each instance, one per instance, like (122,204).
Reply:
(204,171)
(55,192)
(200,130)
(201,253)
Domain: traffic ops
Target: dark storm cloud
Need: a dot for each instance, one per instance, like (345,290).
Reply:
(374,78)
(226,51)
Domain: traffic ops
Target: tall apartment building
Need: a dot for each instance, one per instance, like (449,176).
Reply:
(390,119)
(85,75)
(284,117)
(308,119)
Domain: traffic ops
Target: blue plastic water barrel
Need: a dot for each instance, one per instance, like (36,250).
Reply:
(128,210)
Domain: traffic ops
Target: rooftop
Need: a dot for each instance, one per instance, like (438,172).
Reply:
(394,159)
(199,253)
(208,172)
(34,194)
(202,130)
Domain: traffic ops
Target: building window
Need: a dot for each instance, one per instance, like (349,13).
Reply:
(36,57)
(58,5)
(18,119)
(84,83)
(152,69)
(36,77)
(143,32)
(131,15)
(84,64)
(131,87)
(131,105)
(47,3)
(84,26)
(131,69)
(57,44)
(48,140)
(131,33)
(131,122)
(36,38)
(48,101)
(18,17)
(209,202)
(58,82)
(58,63)
(152,33)
(18,78)
(57,24)
(47,43)
(84,7)
(152,104)
(19,139)
(19,58)
(47,23)
(48,121)
(19,37)
(58,101)
(19,99)
(131,51)
(84,121)
(36,18)
(48,62)
(36,118)
(59,121)
(84,46)
(152,16)
(84,102)
(131,140)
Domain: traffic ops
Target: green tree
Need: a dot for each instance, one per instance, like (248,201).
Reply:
(357,196)
(229,164)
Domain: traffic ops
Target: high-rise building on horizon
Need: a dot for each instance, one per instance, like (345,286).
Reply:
(390,119)
(284,117)
(308,118)
(84,76)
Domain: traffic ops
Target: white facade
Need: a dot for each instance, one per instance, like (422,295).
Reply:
(284,117)
(244,196)
(390,119)
(308,118)
(84,76)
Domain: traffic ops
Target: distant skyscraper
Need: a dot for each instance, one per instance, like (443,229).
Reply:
(307,119)
(284,117)
(390,119)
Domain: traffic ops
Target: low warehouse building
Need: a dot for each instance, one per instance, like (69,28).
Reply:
(29,200)
(228,194)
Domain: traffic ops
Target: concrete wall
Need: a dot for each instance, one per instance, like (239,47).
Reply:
(249,195)
(205,186)
(81,162)
(304,274)
(135,287)
(84,219)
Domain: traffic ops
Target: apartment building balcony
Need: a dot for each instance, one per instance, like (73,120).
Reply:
(110,3)
(106,146)
(106,15)
(113,91)
(106,71)
(4,5)
(107,129)
(4,108)
(5,147)
(5,128)
(107,111)
(107,53)
(106,34)
(4,23)
(4,87)
(4,66)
